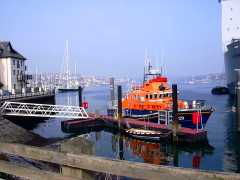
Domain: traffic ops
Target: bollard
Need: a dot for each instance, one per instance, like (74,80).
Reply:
(238,100)
(80,96)
(175,111)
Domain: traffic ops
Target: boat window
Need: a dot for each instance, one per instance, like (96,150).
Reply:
(155,96)
(150,96)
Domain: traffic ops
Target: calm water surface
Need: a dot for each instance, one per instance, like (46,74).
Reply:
(221,153)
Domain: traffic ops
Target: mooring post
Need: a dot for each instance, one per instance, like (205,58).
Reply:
(175,111)
(80,96)
(112,91)
(238,99)
(119,90)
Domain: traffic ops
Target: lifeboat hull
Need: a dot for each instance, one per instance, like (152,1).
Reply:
(185,117)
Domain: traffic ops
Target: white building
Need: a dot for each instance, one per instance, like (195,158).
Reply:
(231,40)
(12,69)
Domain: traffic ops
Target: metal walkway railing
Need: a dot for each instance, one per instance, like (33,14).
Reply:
(43,110)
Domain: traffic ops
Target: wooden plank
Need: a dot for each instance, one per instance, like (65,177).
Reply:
(116,167)
(29,173)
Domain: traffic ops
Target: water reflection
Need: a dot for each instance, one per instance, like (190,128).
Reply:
(159,153)
(222,134)
(153,153)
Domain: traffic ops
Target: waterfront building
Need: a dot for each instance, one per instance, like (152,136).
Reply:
(231,40)
(13,75)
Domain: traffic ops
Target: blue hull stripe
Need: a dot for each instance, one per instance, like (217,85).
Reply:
(185,118)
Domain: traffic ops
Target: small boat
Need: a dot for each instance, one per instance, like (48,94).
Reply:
(147,134)
(67,89)
(152,101)
(219,90)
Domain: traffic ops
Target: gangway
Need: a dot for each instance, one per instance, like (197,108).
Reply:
(43,110)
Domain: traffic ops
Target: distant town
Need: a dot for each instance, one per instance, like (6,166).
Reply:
(52,80)
(205,79)
(15,79)
(55,79)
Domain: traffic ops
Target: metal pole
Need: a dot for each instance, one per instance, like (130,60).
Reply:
(80,96)
(238,100)
(119,90)
(175,111)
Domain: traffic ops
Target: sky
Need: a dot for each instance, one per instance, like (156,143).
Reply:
(110,37)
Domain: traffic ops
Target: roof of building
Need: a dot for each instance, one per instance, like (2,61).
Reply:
(6,50)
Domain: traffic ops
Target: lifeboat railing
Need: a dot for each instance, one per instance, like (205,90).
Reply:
(197,104)
(166,117)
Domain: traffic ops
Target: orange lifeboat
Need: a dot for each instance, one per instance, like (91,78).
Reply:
(155,95)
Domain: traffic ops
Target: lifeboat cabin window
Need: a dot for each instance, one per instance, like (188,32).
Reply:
(150,96)
(160,96)
(155,96)
(165,95)
(147,96)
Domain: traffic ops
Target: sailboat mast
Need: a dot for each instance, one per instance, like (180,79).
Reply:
(67,63)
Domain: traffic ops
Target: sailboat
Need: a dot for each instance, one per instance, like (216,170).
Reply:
(67,84)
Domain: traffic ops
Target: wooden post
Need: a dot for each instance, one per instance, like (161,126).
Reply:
(119,90)
(238,100)
(80,96)
(119,116)
(175,111)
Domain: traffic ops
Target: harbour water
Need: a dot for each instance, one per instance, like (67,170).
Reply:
(220,153)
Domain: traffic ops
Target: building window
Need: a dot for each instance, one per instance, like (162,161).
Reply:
(14,62)
(21,63)
(14,72)
(18,64)
(17,72)
(14,86)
